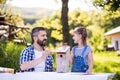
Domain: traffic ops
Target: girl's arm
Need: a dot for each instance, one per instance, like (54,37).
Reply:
(91,63)
(71,58)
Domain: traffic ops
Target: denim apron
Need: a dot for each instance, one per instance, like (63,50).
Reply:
(78,62)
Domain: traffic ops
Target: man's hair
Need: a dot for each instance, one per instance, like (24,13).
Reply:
(35,32)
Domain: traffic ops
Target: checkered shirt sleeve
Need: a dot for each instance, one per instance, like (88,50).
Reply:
(27,55)
(49,64)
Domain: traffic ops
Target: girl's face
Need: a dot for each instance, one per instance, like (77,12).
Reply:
(76,37)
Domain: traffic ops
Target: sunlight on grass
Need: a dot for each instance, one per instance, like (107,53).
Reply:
(107,62)
(106,56)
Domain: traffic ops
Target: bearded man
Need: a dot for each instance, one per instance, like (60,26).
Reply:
(35,57)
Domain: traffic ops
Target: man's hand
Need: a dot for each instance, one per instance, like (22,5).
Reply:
(45,54)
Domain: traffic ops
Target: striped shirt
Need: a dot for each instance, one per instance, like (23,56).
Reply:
(28,54)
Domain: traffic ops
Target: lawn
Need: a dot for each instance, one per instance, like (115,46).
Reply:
(107,62)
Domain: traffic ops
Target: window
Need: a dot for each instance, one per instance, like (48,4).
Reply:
(117,45)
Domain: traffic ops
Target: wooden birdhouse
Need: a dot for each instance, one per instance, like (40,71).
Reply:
(62,59)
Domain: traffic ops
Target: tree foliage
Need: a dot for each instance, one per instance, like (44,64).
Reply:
(96,38)
(96,22)
(106,19)
(2,1)
(11,17)
(77,18)
(53,26)
(108,4)
(12,24)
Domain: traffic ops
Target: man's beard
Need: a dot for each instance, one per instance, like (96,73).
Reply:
(41,43)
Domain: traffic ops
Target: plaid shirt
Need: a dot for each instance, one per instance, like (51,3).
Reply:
(28,54)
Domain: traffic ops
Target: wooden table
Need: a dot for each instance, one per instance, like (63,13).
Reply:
(54,76)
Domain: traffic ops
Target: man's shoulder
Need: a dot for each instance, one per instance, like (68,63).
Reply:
(28,49)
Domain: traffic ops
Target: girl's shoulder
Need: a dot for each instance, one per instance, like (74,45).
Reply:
(88,46)
(89,50)
(73,49)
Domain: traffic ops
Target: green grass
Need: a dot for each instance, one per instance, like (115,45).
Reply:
(106,56)
(107,62)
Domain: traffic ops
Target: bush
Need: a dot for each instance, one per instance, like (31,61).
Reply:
(10,54)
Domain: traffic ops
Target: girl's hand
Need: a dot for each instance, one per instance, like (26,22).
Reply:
(89,71)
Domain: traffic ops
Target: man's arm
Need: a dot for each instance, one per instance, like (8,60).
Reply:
(31,64)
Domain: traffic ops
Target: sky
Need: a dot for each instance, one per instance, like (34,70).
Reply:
(52,4)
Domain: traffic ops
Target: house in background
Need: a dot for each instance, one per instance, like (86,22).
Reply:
(114,34)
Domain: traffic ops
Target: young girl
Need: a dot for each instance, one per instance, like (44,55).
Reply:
(81,57)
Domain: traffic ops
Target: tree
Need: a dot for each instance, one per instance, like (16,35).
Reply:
(64,21)
(108,4)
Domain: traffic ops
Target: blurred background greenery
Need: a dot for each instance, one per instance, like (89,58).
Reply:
(97,23)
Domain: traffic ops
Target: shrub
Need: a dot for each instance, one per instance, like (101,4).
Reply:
(10,54)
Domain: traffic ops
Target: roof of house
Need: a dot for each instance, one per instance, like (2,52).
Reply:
(113,31)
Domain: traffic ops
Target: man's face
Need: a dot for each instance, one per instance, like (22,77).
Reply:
(42,38)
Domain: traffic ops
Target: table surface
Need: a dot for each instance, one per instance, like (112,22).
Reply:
(55,76)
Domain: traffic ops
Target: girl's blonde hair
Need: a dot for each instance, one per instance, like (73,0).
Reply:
(81,30)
